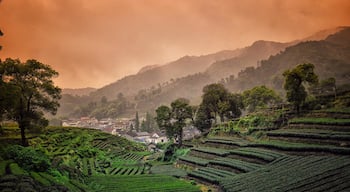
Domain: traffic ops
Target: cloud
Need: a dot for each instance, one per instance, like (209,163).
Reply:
(93,43)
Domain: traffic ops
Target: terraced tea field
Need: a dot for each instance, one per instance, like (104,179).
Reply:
(303,156)
(295,173)
(309,154)
(140,183)
(87,160)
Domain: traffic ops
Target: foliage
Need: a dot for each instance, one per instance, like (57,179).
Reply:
(149,124)
(330,59)
(172,152)
(29,92)
(137,122)
(218,101)
(259,97)
(163,120)
(335,110)
(28,158)
(168,169)
(322,121)
(298,173)
(174,119)
(86,106)
(248,124)
(140,183)
(194,160)
(294,80)
(203,118)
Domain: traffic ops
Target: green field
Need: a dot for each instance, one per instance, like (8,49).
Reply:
(84,160)
(301,158)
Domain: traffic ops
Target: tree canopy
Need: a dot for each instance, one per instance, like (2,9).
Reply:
(259,97)
(294,83)
(27,91)
(174,119)
(217,100)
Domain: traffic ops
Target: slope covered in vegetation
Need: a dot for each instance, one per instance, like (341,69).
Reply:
(75,159)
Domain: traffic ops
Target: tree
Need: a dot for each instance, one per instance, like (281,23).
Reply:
(137,122)
(294,83)
(259,96)
(149,124)
(32,92)
(163,120)
(181,110)
(203,118)
(174,119)
(235,103)
(215,99)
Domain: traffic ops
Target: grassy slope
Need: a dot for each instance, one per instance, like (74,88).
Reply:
(288,164)
(79,156)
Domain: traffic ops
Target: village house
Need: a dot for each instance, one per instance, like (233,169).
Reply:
(157,138)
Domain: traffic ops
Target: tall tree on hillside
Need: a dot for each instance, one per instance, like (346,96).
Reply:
(215,99)
(294,83)
(137,122)
(203,118)
(32,92)
(163,119)
(174,119)
(259,96)
(235,103)
(181,110)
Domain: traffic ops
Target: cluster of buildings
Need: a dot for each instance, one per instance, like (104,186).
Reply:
(122,127)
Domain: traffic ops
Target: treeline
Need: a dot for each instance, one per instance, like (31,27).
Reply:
(103,108)
(302,87)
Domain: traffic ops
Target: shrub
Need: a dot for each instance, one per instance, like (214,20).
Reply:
(28,158)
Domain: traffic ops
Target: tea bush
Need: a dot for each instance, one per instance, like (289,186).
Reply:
(28,158)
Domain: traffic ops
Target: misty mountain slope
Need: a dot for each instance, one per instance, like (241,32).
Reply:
(78,92)
(259,50)
(189,87)
(323,34)
(147,68)
(331,58)
(152,76)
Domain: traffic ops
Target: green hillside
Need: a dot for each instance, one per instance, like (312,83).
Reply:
(309,153)
(75,159)
(331,58)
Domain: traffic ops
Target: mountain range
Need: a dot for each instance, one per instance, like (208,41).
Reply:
(263,62)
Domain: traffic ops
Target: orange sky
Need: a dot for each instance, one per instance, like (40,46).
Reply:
(93,43)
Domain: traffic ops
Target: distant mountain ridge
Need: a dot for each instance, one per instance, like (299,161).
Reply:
(250,56)
(182,67)
(263,62)
(331,58)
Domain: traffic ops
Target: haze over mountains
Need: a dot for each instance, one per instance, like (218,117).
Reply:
(263,62)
